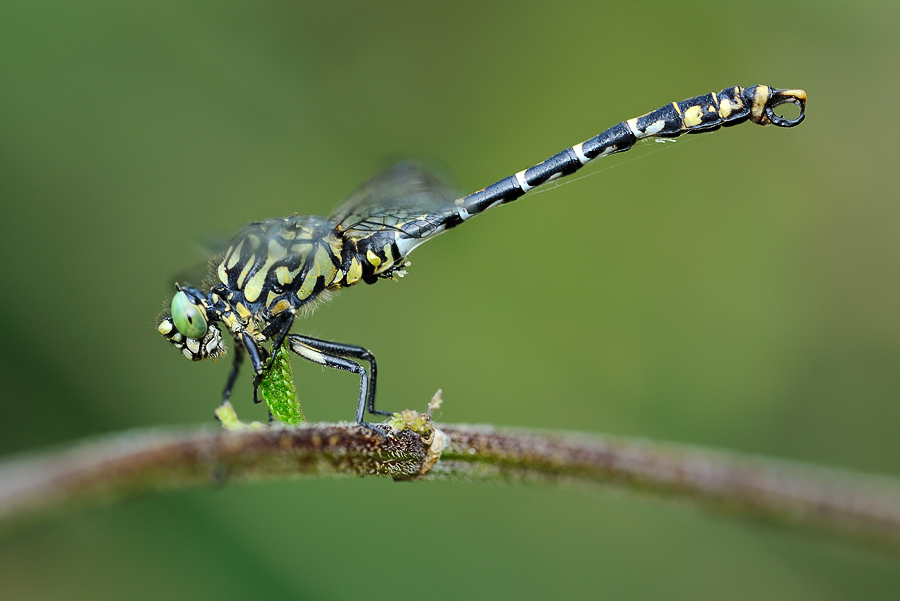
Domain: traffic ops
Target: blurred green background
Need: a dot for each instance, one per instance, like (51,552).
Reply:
(738,290)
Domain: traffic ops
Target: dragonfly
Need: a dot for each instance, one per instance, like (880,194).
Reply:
(278,269)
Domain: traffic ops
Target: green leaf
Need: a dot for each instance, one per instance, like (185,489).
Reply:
(278,390)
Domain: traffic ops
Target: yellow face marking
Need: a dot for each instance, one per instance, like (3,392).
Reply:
(373,259)
(693,116)
(165,326)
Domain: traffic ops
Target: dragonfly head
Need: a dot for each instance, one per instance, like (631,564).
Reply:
(187,326)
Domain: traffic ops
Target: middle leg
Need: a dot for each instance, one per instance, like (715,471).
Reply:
(328,354)
(354,352)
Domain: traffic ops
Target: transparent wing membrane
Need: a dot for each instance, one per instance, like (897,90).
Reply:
(405,193)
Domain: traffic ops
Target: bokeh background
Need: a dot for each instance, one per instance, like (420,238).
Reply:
(737,290)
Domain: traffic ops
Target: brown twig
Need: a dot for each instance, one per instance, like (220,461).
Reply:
(92,473)
(775,491)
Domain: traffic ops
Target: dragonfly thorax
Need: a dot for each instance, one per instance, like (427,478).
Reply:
(280,264)
(271,269)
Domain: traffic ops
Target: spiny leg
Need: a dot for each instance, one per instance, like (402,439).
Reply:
(282,335)
(354,352)
(257,360)
(309,353)
(235,370)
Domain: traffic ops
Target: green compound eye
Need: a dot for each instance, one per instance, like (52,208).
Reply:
(188,318)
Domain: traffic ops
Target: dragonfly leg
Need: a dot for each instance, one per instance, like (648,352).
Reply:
(327,357)
(283,332)
(354,352)
(235,370)
(257,359)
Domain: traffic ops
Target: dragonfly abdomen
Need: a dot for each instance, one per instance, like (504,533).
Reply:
(376,255)
(699,114)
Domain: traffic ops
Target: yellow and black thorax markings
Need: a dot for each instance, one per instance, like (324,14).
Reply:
(279,264)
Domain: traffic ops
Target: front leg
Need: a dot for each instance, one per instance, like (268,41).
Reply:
(235,370)
(257,360)
(283,332)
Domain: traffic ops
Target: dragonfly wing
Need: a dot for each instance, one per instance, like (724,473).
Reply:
(406,198)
